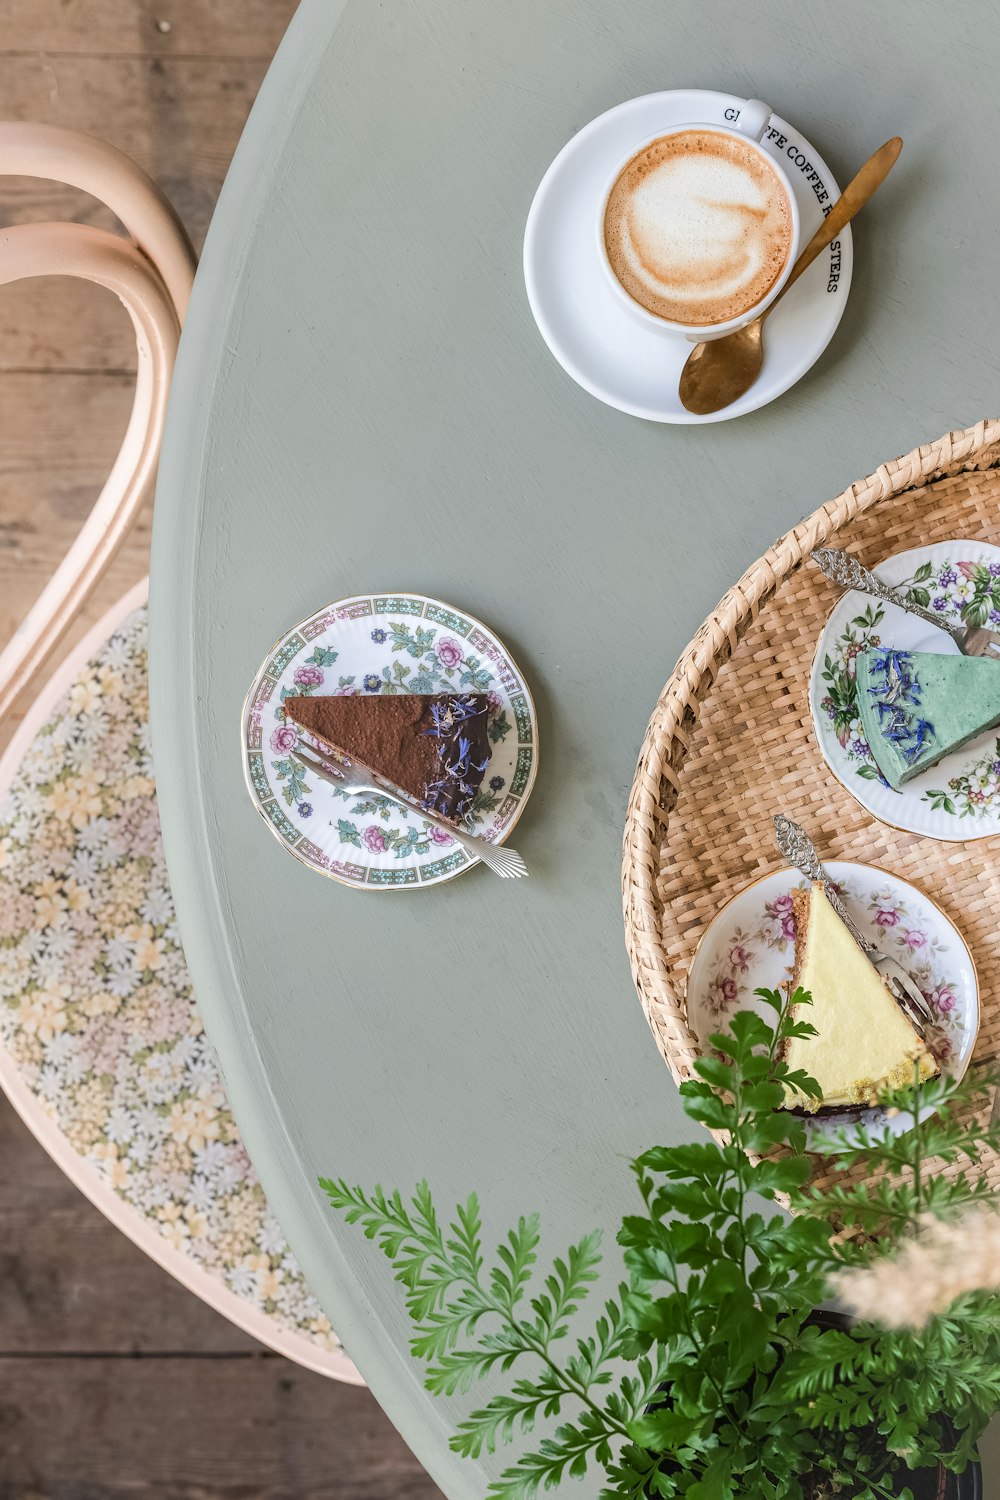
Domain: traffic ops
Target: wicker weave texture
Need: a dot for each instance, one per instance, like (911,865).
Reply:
(731,742)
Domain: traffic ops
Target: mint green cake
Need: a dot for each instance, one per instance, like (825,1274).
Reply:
(916,707)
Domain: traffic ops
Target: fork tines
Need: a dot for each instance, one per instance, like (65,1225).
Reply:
(501,860)
(504,862)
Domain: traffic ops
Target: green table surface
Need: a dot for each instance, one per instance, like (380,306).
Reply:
(362,402)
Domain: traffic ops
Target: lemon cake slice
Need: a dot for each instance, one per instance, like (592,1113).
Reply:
(864,1043)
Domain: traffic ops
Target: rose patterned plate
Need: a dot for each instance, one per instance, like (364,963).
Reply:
(384,643)
(959,798)
(750,945)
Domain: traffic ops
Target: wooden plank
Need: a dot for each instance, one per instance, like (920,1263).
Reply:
(179,118)
(60,323)
(222,1419)
(199,28)
(161,107)
(56,433)
(195,1429)
(70,1281)
(56,442)
(58,438)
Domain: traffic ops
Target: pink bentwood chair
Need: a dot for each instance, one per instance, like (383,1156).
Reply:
(102,1050)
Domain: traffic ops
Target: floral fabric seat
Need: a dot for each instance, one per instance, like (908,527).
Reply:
(98,1018)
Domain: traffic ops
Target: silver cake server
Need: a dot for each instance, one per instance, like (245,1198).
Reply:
(798,848)
(351,775)
(842,568)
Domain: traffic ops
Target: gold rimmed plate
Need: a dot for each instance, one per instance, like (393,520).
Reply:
(750,945)
(373,644)
(959,798)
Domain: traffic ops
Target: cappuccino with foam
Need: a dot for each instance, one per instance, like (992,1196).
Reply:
(698,227)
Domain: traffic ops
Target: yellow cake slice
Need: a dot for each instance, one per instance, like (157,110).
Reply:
(865,1043)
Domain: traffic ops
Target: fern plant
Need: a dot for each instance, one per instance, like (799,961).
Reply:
(707,1376)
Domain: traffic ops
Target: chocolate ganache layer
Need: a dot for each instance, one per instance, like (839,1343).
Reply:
(434,747)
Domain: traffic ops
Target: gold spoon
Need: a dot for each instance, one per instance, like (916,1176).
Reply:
(718,372)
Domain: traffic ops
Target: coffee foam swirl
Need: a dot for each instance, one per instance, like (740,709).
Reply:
(698,227)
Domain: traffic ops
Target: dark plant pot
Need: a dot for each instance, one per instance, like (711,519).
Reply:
(928,1485)
(925,1484)
(940,1484)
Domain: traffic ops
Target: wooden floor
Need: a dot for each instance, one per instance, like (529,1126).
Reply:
(115,1381)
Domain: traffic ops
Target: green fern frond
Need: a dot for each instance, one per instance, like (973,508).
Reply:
(517,1257)
(566,1287)
(702,1378)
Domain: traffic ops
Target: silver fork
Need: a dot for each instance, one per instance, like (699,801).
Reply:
(352,776)
(842,568)
(798,848)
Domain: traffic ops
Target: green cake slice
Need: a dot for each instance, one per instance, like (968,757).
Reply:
(917,707)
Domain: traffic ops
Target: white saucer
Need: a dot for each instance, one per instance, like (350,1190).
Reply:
(595,340)
(384,643)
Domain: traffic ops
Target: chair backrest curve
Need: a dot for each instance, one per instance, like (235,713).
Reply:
(82,161)
(151,274)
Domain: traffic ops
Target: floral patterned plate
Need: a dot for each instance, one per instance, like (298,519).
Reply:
(384,643)
(959,798)
(750,945)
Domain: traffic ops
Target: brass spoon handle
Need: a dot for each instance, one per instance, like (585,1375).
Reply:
(719,372)
(855,195)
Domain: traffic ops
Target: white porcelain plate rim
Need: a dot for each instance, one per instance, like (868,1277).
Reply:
(908,809)
(772,967)
(594,339)
(382,632)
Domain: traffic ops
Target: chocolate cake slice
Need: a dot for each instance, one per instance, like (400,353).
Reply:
(434,747)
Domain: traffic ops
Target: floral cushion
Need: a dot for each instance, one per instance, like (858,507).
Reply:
(96,1006)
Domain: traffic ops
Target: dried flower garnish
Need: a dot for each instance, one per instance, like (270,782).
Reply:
(944,1260)
(895,692)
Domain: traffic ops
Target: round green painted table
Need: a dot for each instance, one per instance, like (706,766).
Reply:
(363,403)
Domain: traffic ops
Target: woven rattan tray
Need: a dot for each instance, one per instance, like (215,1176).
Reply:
(731,742)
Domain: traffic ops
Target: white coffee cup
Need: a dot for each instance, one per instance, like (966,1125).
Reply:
(747,122)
